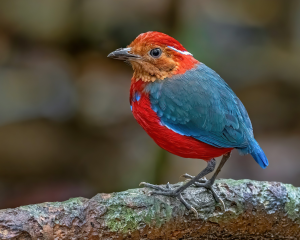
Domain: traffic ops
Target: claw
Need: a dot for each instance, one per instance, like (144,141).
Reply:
(195,211)
(186,176)
(223,204)
(142,183)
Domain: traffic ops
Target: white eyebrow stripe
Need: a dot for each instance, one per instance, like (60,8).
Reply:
(182,52)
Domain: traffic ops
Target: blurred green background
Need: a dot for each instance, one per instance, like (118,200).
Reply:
(66,126)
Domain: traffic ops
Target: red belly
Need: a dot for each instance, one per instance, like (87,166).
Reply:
(175,143)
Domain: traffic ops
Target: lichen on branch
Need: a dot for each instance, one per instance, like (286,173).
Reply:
(254,210)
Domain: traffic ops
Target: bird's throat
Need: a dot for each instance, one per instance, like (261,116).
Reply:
(149,73)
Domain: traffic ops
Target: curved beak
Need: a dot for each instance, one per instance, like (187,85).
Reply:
(123,54)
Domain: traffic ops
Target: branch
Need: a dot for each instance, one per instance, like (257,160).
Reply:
(254,210)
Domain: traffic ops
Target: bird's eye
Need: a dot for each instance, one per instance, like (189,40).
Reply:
(156,52)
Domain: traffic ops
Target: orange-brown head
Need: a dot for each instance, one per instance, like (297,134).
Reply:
(155,55)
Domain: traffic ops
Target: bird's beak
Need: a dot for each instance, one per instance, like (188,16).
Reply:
(123,54)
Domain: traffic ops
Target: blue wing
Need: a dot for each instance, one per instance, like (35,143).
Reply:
(200,104)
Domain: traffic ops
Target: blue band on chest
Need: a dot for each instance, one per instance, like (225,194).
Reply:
(137,97)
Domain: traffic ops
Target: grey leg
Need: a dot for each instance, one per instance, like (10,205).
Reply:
(209,183)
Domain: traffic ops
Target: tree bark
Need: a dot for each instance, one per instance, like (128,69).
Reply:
(254,210)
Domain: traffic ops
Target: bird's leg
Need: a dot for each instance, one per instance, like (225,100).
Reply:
(204,180)
(223,161)
(208,183)
(167,191)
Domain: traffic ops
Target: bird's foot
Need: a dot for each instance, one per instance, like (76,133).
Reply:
(168,191)
(208,185)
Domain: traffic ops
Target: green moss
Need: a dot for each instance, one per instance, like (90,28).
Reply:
(292,205)
(127,213)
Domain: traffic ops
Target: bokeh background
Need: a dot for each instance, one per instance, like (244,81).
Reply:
(66,128)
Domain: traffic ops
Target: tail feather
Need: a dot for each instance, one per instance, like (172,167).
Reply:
(259,155)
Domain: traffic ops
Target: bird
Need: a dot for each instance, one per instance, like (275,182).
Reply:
(186,108)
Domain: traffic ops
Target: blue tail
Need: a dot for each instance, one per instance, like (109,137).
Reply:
(259,155)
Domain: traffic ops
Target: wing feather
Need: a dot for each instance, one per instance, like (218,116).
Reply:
(200,104)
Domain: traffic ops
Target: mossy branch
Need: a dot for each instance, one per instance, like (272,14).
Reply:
(254,210)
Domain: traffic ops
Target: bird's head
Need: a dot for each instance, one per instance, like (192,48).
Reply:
(155,55)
